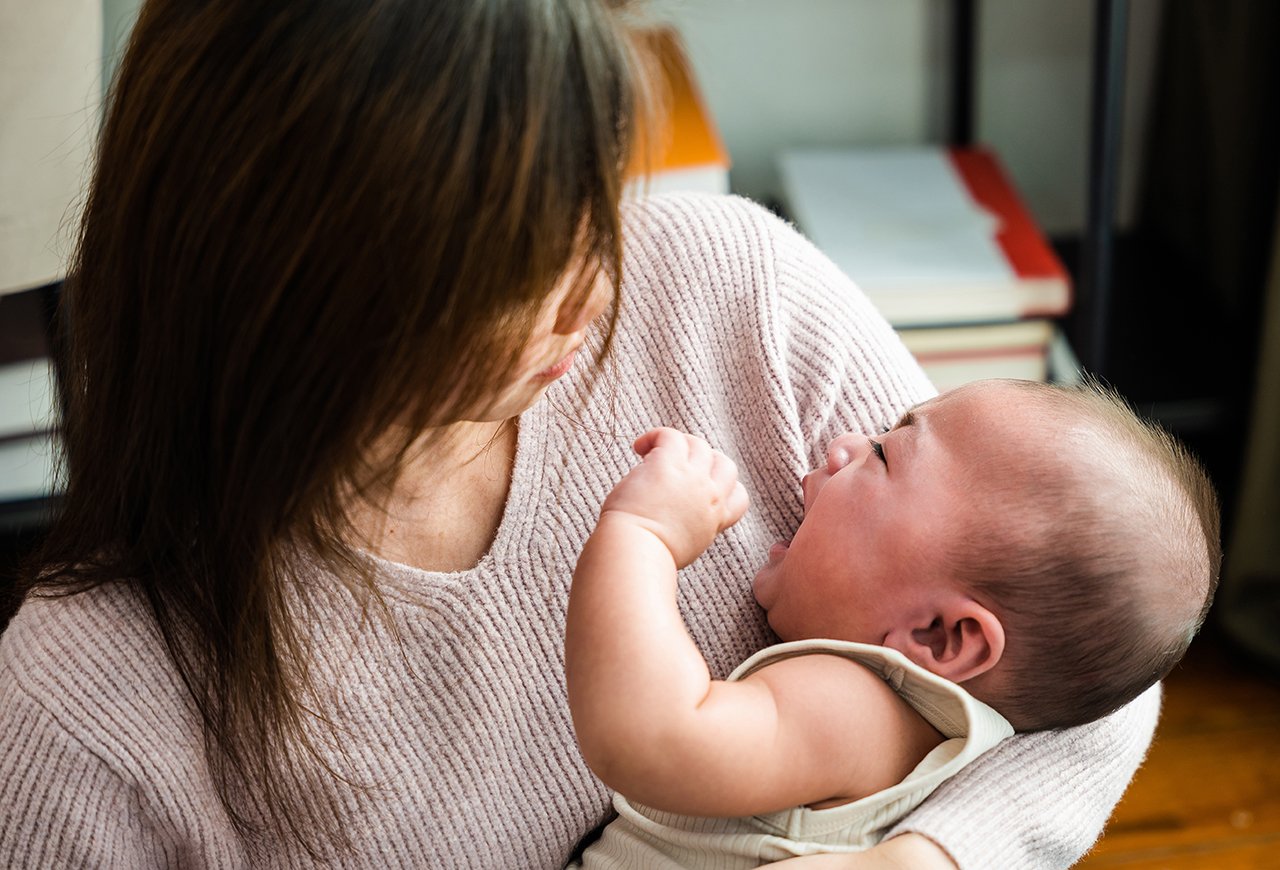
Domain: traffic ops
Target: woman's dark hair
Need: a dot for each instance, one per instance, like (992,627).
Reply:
(308,221)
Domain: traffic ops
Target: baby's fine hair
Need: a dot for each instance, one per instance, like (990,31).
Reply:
(1101,561)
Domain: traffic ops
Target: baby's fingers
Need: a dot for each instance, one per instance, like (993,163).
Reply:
(736,505)
(723,472)
(724,477)
(702,456)
(660,437)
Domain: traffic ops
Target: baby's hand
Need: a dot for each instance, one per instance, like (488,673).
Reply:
(685,492)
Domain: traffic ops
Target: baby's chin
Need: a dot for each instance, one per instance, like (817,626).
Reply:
(767,579)
(765,587)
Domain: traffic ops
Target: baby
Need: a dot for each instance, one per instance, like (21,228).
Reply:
(1008,546)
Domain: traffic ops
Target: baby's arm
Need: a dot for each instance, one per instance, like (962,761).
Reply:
(650,720)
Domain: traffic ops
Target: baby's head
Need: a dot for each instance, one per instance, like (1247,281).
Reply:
(1041,544)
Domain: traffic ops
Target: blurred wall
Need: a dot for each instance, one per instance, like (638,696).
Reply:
(872,72)
(117,20)
(50,89)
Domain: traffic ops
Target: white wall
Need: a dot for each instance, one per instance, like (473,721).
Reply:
(49,91)
(862,72)
(780,73)
(1034,93)
(807,72)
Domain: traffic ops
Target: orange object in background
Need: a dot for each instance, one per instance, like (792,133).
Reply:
(679,148)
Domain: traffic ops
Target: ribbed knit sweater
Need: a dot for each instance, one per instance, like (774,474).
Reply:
(731,326)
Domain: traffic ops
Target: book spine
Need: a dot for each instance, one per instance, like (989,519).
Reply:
(1019,237)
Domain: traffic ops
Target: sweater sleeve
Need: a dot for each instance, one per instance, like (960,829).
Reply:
(1037,800)
(60,804)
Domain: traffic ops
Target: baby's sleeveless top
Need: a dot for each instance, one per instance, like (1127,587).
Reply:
(645,838)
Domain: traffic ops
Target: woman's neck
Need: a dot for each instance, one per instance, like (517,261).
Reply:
(446,506)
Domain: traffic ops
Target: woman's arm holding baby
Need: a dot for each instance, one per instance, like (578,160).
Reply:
(650,720)
(1032,825)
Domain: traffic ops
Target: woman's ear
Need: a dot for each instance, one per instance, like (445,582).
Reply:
(958,640)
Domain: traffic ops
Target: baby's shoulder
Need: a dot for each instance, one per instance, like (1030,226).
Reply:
(847,713)
(828,676)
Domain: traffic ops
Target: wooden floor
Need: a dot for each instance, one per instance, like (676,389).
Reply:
(1208,795)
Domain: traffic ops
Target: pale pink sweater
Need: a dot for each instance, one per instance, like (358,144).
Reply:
(733,327)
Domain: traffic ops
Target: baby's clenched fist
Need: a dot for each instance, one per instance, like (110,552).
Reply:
(684,491)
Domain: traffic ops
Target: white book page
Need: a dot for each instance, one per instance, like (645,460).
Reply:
(895,218)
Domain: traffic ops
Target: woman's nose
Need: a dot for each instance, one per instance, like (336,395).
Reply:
(576,314)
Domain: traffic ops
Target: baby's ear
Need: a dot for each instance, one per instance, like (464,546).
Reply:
(957,639)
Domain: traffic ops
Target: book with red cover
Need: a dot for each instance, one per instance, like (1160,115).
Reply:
(931,235)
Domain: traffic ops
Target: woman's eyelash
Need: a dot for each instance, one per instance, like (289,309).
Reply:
(878,450)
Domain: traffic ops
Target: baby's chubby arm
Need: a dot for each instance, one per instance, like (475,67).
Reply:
(651,722)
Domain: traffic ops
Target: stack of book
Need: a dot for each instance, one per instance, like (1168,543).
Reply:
(940,242)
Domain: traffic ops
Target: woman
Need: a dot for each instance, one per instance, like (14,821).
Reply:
(330,457)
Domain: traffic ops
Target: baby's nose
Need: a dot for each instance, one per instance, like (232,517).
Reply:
(841,451)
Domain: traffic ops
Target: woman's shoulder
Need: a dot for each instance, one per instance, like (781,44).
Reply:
(717,258)
(732,249)
(666,228)
(91,660)
(103,760)
(82,624)
(712,212)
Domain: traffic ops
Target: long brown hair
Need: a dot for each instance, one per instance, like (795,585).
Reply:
(307,221)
